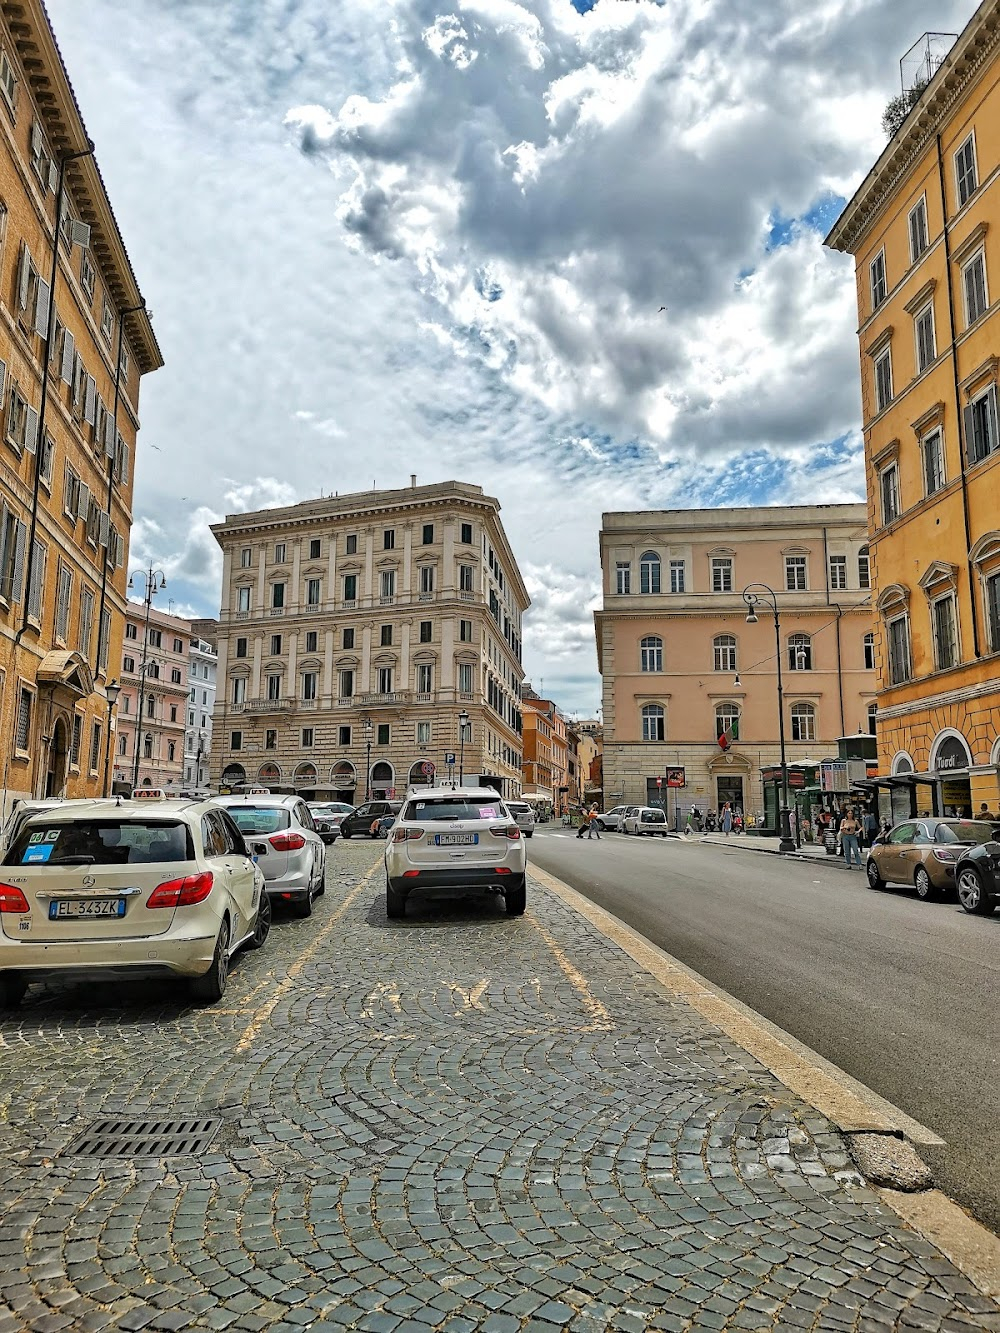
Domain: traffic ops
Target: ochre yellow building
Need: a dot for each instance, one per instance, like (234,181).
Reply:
(924,230)
(74,342)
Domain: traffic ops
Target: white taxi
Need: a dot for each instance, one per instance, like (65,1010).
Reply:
(455,839)
(136,888)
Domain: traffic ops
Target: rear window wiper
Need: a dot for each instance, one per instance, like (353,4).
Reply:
(72,861)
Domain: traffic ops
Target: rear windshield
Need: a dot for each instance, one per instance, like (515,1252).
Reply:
(261,819)
(456,807)
(653,816)
(516,808)
(101,842)
(965,830)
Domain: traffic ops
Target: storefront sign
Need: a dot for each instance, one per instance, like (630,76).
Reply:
(955,793)
(951,754)
(833,776)
(675,777)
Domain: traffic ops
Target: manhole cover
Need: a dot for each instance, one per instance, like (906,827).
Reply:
(145,1138)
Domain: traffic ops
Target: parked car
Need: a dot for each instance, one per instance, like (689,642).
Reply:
(281,834)
(359,822)
(924,853)
(977,876)
(646,819)
(612,819)
(455,839)
(327,816)
(133,889)
(524,816)
(25,809)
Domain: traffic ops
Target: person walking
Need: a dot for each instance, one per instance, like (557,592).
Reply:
(869,826)
(849,830)
(594,828)
(584,822)
(727,819)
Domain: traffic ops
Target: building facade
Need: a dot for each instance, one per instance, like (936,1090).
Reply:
(203,662)
(682,668)
(546,752)
(922,228)
(74,343)
(153,701)
(355,633)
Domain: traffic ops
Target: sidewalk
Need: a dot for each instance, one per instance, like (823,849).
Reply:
(459,1121)
(751,843)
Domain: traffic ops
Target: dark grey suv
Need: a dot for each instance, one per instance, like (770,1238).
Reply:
(359,823)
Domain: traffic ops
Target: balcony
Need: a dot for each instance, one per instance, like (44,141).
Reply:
(393,700)
(262,706)
(387,599)
(242,615)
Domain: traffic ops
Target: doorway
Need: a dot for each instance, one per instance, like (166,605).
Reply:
(55,778)
(730,788)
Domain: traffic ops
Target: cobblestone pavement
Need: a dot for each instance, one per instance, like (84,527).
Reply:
(459,1121)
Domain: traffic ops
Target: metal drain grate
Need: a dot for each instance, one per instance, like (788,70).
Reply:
(145,1138)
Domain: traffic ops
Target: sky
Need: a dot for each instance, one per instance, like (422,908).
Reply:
(384,237)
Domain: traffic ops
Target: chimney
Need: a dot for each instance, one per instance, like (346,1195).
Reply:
(413,479)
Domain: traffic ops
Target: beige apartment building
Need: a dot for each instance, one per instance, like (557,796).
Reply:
(363,637)
(153,701)
(682,668)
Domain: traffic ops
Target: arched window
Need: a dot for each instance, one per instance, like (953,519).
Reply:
(727,721)
(725,652)
(864,569)
(649,572)
(800,653)
(803,722)
(651,653)
(869,652)
(872,716)
(147,746)
(652,723)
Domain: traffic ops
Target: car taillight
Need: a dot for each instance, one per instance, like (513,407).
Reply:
(287,842)
(945,854)
(182,892)
(12,899)
(405,834)
(505,831)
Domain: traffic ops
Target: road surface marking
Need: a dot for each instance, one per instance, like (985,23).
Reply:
(600,1018)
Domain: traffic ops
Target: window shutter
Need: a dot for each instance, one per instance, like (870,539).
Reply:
(30,429)
(119,550)
(68,357)
(969,419)
(105,528)
(23,279)
(83,501)
(37,141)
(123,470)
(109,436)
(37,582)
(79,233)
(3,381)
(17,577)
(90,400)
(991,417)
(53,176)
(42,308)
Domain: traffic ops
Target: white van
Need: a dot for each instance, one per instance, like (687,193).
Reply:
(524,816)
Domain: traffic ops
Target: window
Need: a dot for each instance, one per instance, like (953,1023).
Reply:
(652,723)
(312,592)
(724,646)
(981,436)
(677,576)
(385,680)
(795,573)
(175,676)
(722,574)
(178,645)
(945,632)
(803,722)
(465,578)
(236,740)
(426,631)
(312,641)
(343,735)
(351,544)
(243,599)
(123,745)
(918,230)
(271,739)
(190,718)
(239,692)
(465,677)
(425,678)
(623,578)
(104,640)
(389,539)
(466,537)
(272,686)
(864,569)
(651,653)
(41,159)
(25,706)
(727,721)
(153,670)
(428,535)
(308,737)
(131,631)
(883,380)
(966,178)
(347,638)
(933,461)
(423,733)
(13,535)
(923,332)
(85,628)
(426,579)
(246,556)
(147,744)
(310,685)
(991,591)
(8,80)
(315,548)
(64,595)
(889,486)
(107,320)
(95,746)
(974,285)
(279,553)
(649,572)
(275,645)
(838,572)
(171,751)
(382,734)
(899,650)
(350,587)
(277,596)
(878,282)
(869,650)
(799,652)
(388,583)
(873,719)
(465,631)
(385,636)
(346,688)
(88,275)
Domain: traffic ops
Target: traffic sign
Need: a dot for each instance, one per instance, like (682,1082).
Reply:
(427,768)
(449,758)
(659,782)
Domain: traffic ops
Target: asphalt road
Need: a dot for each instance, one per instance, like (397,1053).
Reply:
(903,995)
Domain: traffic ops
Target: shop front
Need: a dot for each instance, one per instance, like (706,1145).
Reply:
(804,797)
(951,765)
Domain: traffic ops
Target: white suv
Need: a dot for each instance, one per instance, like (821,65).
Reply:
(524,816)
(454,839)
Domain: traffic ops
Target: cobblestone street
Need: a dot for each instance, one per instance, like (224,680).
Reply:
(459,1121)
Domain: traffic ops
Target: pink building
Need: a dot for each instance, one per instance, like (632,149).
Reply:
(154,680)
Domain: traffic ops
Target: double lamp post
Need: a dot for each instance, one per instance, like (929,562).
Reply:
(754,595)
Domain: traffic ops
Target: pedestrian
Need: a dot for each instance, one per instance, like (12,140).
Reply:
(594,828)
(689,824)
(849,830)
(584,822)
(870,826)
(727,819)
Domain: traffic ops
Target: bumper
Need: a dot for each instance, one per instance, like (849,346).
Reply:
(459,880)
(295,880)
(176,953)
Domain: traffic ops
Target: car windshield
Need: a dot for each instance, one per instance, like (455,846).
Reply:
(456,807)
(965,830)
(259,818)
(102,842)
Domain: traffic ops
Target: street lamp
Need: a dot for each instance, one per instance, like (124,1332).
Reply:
(366,728)
(463,722)
(112,691)
(155,581)
(768,597)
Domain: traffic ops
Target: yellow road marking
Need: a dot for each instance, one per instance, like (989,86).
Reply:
(601,1020)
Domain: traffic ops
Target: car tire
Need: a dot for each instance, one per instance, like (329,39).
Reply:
(12,989)
(516,899)
(972,892)
(212,986)
(395,902)
(262,922)
(304,906)
(344,833)
(922,883)
(527,835)
(875,880)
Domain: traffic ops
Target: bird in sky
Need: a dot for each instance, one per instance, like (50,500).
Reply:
(661,309)
(157,448)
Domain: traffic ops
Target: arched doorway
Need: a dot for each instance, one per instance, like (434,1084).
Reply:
(344,781)
(418,778)
(269,774)
(383,781)
(55,778)
(233,775)
(304,781)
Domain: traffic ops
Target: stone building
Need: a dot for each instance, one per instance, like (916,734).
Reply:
(203,662)
(74,343)
(355,633)
(153,701)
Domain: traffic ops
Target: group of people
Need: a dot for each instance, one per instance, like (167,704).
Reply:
(589,824)
(728,820)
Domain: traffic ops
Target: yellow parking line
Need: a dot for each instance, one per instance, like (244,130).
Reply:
(601,1020)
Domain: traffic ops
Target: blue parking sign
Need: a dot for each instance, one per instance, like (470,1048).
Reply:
(449,758)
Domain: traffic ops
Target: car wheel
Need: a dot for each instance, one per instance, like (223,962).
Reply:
(972,893)
(262,925)
(12,989)
(516,899)
(212,986)
(304,906)
(875,880)
(528,835)
(922,883)
(395,902)
(344,833)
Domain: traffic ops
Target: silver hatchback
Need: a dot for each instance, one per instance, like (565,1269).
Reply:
(281,834)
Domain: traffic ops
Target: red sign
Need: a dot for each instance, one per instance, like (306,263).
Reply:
(676,778)
(659,782)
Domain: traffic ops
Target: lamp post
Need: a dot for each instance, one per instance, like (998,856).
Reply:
(463,722)
(155,580)
(366,728)
(759,594)
(112,691)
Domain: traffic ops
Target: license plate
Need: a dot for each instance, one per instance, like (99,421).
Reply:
(79,907)
(456,839)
